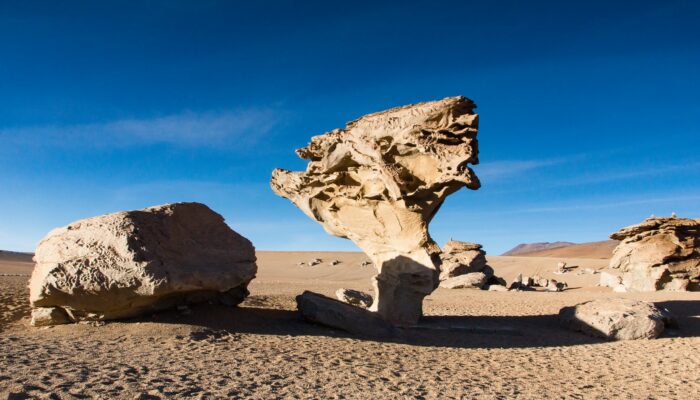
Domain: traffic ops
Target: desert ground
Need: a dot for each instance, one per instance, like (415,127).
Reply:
(473,344)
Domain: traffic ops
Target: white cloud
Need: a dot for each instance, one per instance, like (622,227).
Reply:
(494,170)
(227,128)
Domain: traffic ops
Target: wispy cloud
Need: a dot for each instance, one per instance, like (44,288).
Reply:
(495,170)
(226,128)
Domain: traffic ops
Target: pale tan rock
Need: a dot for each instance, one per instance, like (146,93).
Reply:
(497,288)
(472,280)
(129,263)
(617,319)
(354,297)
(610,280)
(337,314)
(659,254)
(459,258)
(379,181)
(45,316)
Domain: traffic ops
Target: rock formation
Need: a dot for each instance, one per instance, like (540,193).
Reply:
(379,182)
(337,314)
(129,263)
(659,254)
(617,319)
(459,258)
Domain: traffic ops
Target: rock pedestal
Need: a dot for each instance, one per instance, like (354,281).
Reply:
(379,182)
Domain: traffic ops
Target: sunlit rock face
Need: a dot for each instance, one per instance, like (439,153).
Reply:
(659,254)
(379,181)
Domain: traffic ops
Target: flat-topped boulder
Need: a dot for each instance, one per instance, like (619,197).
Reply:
(379,182)
(659,254)
(134,262)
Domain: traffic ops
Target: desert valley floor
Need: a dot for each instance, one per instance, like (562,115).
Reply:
(499,345)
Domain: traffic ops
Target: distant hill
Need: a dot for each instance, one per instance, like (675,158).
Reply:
(602,249)
(13,256)
(526,248)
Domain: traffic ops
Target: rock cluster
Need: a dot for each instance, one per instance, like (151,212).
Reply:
(659,254)
(129,263)
(525,283)
(459,258)
(379,182)
(617,319)
(464,266)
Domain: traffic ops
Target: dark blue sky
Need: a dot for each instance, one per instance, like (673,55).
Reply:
(589,110)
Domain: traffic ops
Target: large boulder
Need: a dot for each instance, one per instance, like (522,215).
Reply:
(129,263)
(617,319)
(323,310)
(379,182)
(459,258)
(659,254)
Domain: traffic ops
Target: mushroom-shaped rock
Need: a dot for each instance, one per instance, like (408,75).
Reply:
(379,182)
(659,254)
(129,263)
(617,319)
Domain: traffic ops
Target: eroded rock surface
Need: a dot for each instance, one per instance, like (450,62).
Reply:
(459,258)
(379,181)
(659,254)
(128,263)
(617,319)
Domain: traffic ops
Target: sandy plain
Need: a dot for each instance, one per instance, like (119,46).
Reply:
(498,345)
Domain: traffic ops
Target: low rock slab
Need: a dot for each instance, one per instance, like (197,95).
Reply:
(336,314)
(617,319)
(134,262)
(473,280)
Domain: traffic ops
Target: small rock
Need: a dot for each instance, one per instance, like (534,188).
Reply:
(334,262)
(354,297)
(554,286)
(44,316)
(497,288)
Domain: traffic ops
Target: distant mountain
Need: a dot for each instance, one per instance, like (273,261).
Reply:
(14,256)
(602,249)
(525,248)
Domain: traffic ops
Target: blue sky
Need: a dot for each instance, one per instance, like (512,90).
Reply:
(590,112)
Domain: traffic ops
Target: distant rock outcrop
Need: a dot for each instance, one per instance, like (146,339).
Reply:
(129,263)
(379,182)
(659,254)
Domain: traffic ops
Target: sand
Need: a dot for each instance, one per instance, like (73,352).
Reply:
(502,345)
